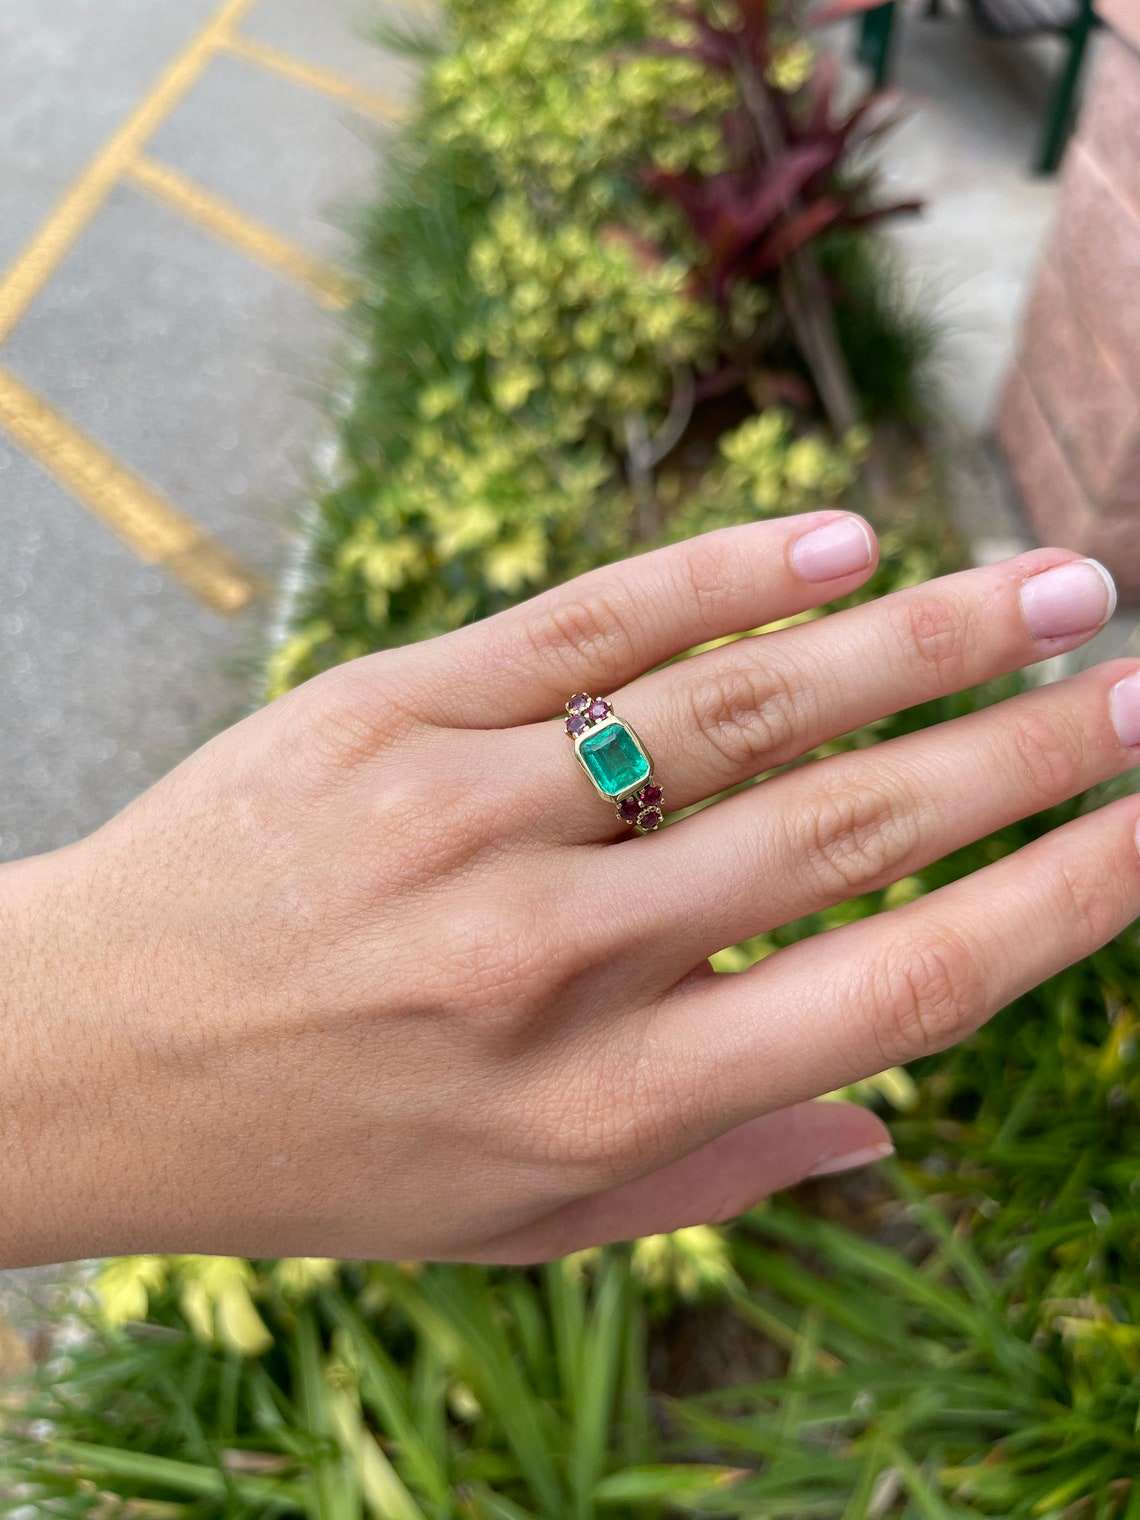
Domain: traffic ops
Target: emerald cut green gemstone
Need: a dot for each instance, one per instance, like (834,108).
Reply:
(614,760)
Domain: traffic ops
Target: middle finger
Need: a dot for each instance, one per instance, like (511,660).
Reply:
(730,713)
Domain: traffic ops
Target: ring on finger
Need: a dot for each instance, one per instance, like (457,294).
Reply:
(615,761)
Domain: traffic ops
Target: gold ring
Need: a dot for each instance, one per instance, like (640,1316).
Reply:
(615,760)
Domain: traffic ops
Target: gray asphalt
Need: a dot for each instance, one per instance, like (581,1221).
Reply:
(200,369)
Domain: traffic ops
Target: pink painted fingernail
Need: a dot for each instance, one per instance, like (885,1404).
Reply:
(1075,598)
(1124,705)
(851,1159)
(838,548)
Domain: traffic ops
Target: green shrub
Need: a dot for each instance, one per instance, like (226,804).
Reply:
(535,327)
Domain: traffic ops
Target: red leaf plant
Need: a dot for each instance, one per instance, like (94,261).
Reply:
(787,179)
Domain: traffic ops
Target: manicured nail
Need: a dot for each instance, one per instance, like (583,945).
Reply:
(849,1161)
(1075,598)
(838,548)
(1124,704)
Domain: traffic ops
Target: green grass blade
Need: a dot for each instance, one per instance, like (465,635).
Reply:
(457,1305)
(592,1415)
(483,1503)
(377,1481)
(192,1479)
(635,1432)
(386,1391)
(927,1501)
(566,1296)
(665,1483)
(332,1489)
(866,1480)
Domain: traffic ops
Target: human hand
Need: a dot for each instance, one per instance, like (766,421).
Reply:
(375,973)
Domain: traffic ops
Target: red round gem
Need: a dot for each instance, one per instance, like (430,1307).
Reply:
(579,702)
(599,709)
(649,818)
(629,810)
(651,795)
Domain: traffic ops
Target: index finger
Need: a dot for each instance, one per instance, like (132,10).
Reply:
(608,626)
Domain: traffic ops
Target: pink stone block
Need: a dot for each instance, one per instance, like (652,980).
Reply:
(1122,491)
(1091,407)
(1097,249)
(1110,120)
(1053,497)
(1123,16)
(1114,539)
(1050,493)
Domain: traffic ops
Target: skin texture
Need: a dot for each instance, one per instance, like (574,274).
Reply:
(375,974)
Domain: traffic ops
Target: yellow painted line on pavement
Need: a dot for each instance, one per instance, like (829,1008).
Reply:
(313,78)
(24,279)
(157,532)
(209,211)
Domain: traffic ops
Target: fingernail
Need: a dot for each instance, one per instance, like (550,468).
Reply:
(1124,705)
(838,548)
(1074,598)
(851,1159)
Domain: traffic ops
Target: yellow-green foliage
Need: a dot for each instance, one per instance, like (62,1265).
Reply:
(476,503)
(573,323)
(215,1296)
(560,99)
(485,504)
(521,344)
(764,467)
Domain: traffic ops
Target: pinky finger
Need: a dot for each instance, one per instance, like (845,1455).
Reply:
(714,1183)
(887,990)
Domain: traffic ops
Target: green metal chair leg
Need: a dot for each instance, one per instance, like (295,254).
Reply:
(1062,106)
(875,38)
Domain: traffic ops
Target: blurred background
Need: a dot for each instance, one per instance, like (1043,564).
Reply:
(329,326)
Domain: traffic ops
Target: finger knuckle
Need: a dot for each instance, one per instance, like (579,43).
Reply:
(1048,754)
(601,1141)
(501,967)
(935,632)
(594,629)
(351,714)
(419,833)
(1088,904)
(715,579)
(749,719)
(929,992)
(855,837)
(632,1112)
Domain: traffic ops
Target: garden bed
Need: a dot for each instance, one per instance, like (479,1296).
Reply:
(577,339)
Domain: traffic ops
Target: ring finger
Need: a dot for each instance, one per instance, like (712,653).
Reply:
(856,822)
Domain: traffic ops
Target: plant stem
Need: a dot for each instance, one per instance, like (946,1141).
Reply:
(801,285)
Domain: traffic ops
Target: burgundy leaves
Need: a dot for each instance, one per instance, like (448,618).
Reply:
(738,218)
(786,181)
